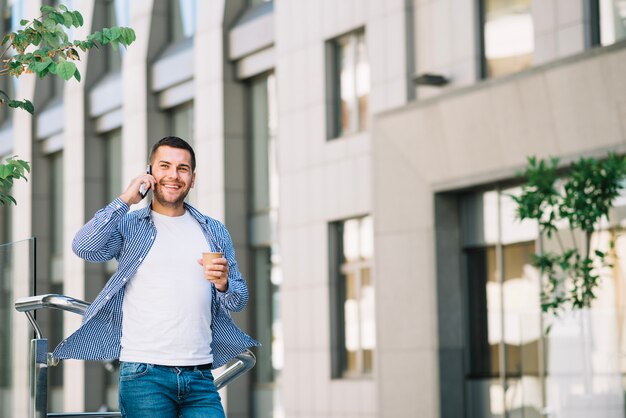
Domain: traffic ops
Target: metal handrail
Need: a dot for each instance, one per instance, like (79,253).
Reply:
(55,301)
(240,365)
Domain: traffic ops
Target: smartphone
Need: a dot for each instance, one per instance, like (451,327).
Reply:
(143,189)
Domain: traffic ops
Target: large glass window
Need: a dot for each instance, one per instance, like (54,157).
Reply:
(113,168)
(349,84)
(503,308)
(267,276)
(611,20)
(353,299)
(508,36)
(182,19)
(56,271)
(181,121)
(115,10)
(6,311)
(252,3)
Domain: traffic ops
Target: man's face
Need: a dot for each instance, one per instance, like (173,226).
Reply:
(171,167)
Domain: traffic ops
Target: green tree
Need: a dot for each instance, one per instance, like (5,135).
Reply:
(580,198)
(42,47)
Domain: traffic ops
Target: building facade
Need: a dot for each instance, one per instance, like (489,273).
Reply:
(362,155)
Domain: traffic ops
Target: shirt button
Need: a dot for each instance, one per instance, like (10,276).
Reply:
(152,237)
(125,280)
(107,297)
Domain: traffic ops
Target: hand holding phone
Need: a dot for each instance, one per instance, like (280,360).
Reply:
(144,188)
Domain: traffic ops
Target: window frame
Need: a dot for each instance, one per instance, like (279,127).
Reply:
(333,85)
(338,294)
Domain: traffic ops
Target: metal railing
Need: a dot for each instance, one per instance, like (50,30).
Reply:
(41,359)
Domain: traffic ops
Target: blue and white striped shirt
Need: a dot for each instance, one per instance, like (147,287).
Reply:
(114,232)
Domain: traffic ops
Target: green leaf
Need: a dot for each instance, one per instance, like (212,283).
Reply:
(24,22)
(28,106)
(68,21)
(79,17)
(96,36)
(23,104)
(23,164)
(77,76)
(40,66)
(56,17)
(65,69)
(115,33)
(63,7)
(47,9)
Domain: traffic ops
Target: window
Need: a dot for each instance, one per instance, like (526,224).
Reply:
(6,311)
(508,36)
(113,178)
(348,85)
(56,271)
(503,310)
(611,21)
(113,175)
(252,3)
(182,19)
(352,298)
(267,273)
(114,10)
(181,121)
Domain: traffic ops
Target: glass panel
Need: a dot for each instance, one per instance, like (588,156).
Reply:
(362,81)
(347,94)
(54,316)
(484,312)
(257,2)
(182,19)
(368,320)
(16,266)
(485,398)
(56,193)
(272,125)
(260,145)
(366,242)
(479,215)
(181,121)
(351,240)
(521,310)
(113,56)
(113,164)
(612,21)
(351,322)
(514,230)
(508,36)
(585,349)
(263,314)
(6,230)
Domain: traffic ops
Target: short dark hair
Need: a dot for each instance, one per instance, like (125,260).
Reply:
(175,142)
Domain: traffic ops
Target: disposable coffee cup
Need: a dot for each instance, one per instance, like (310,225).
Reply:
(208,257)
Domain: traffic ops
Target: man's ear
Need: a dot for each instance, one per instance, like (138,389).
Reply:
(193,180)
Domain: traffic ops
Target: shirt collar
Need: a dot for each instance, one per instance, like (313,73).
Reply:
(145,213)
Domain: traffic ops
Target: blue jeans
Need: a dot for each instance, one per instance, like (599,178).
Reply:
(152,391)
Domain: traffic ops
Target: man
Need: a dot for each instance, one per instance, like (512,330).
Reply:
(163,314)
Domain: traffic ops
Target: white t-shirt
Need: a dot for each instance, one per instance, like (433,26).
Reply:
(167,303)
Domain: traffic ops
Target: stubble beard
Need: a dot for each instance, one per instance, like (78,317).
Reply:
(159,197)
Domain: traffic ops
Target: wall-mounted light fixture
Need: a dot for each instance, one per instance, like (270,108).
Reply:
(428,79)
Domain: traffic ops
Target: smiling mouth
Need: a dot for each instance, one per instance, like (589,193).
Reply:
(171,186)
